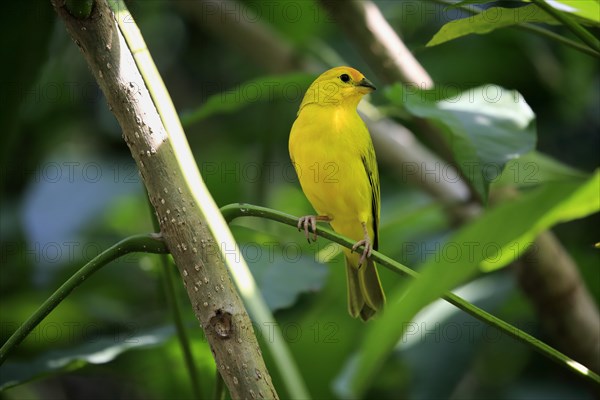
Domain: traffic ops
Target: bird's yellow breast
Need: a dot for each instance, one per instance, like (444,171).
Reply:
(327,145)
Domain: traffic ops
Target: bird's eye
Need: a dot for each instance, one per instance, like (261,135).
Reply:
(344,77)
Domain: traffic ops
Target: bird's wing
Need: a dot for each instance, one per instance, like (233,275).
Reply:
(370,164)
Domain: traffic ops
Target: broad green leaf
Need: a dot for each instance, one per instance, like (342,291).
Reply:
(489,20)
(283,269)
(95,351)
(485,126)
(444,342)
(289,275)
(535,168)
(587,9)
(441,341)
(554,203)
(497,237)
(261,90)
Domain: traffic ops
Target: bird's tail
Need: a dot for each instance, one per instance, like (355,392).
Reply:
(365,294)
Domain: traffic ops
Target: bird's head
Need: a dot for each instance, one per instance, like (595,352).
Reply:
(340,86)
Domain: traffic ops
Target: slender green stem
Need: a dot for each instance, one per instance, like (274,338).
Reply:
(532,28)
(175,306)
(182,334)
(148,243)
(233,211)
(570,23)
(561,39)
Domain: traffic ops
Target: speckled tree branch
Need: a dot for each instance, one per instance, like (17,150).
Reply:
(183,220)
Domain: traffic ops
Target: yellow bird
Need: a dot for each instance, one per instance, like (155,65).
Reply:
(334,158)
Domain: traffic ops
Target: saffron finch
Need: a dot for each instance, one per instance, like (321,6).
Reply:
(333,155)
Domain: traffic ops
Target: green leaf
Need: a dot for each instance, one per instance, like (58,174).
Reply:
(261,90)
(489,20)
(441,341)
(469,2)
(587,9)
(283,269)
(283,280)
(535,168)
(539,210)
(485,126)
(480,243)
(95,351)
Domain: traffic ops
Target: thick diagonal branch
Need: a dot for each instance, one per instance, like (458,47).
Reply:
(172,179)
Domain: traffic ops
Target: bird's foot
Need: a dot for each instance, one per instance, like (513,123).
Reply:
(368,249)
(311,220)
(366,252)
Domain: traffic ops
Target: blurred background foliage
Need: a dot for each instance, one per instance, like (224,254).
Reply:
(71,189)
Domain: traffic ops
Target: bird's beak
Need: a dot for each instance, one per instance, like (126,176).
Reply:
(366,83)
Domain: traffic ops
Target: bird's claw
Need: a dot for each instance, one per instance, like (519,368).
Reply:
(366,251)
(303,223)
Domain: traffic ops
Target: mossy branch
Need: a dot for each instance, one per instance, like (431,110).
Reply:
(232,211)
(151,243)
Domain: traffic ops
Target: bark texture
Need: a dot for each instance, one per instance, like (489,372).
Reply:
(170,174)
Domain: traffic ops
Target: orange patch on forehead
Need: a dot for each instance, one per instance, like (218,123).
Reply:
(337,71)
(356,76)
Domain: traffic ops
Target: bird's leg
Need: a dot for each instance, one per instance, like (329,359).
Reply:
(304,222)
(367,243)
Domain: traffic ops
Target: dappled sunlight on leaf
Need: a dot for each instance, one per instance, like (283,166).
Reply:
(485,127)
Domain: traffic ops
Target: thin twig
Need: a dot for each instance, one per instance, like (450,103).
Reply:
(559,38)
(233,211)
(151,243)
